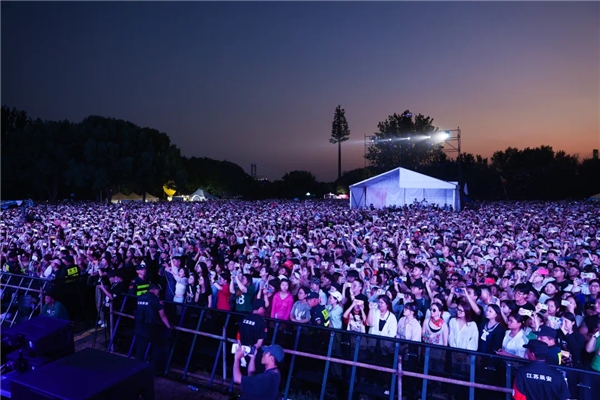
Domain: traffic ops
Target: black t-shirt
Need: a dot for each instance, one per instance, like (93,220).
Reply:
(562,285)
(263,386)
(526,306)
(252,328)
(574,343)
(539,381)
(349,297)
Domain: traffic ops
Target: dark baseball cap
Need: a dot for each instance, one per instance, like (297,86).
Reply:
(312,295)
(537,347)
(276,351)
(546,331)
(570,316)
(153,286)
(140,267)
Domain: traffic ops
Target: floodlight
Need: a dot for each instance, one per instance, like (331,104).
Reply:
(308,193)
(445,135)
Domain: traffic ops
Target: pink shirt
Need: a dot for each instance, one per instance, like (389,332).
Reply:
(281,309)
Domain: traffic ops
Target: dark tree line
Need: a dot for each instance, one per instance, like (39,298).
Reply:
(97,157)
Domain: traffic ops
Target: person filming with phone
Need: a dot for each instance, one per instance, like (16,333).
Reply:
(263,386)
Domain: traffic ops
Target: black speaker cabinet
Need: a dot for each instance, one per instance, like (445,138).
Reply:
(87,375)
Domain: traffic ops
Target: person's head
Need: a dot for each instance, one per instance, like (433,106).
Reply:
(417,289)
(546,335)
(568,321)
(474,292)
(312,299)
(536,350)
(553,307)
(303,292)
(463,311)
(417,271)
(258,307)
(141,270)
(594,286)
(550,289)
(384,303)
(515,321)
(435,310)
(507,307)
(284,285)
(272,355)
(315,284)
(334,298)
(49,298)
(356,287)
(409,310)
(493,313)
(155,289)
(558,273)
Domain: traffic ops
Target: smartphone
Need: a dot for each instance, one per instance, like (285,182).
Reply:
(458,291)
(247,349)
(360,302)
(543,307)
(525,313)
(543,271)
(565,303)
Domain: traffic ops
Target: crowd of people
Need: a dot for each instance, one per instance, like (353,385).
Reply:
(489,278)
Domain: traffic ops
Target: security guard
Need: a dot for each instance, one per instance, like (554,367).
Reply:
(149,320)
(318,313)
(139,285)
(538,380)
(71,270)
(319,316)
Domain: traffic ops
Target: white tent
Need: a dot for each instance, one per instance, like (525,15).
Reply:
(198,195)
(401,186)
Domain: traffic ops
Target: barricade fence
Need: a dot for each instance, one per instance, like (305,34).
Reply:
(334,363)
(22,297)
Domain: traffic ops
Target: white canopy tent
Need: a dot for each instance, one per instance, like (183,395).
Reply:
(198,195)
(400,187)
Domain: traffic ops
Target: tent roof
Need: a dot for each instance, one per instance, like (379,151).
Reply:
(595,197)
(407,179)
(149,196)
(198,192)
(119,196)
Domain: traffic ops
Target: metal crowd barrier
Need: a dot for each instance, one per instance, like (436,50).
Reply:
(399,368)
(22,297)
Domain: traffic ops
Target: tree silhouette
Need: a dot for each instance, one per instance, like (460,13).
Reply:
(339,133)
(401,141)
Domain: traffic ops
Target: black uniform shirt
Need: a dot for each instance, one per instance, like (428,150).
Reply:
(319,316)
(539,381)
(148,306)
(252,328)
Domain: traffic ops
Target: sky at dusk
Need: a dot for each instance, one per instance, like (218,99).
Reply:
(259,82)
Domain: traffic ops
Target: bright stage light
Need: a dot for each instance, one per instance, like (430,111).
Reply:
(445,135)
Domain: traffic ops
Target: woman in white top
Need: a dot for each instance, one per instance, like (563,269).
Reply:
(408,326)
(464,333)
(383,322)
(514,338)
(181,279)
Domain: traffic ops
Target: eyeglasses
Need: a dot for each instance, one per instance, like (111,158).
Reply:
(434,310)
(453,279)
(460,310)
